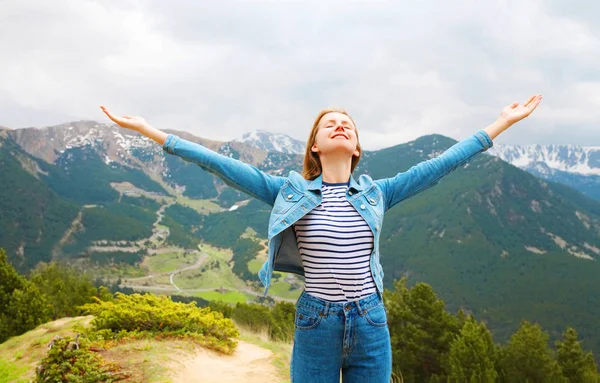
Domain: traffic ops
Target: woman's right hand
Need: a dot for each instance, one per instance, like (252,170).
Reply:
(130,122)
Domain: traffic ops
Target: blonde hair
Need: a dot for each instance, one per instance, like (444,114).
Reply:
(312,164)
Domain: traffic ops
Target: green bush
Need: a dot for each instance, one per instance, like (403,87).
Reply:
(66,362)
(159,315)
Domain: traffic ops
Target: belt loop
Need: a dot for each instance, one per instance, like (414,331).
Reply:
(360,310)
(326,309)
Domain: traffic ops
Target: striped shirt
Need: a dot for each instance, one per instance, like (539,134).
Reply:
(335,244)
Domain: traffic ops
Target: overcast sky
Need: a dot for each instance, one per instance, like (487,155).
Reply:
(218,69)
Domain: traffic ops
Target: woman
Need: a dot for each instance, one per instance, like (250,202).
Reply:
(326,225)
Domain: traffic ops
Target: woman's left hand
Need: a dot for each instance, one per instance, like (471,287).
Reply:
(515,112)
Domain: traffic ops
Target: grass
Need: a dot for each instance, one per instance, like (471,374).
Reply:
(121,270)
(211,277)
(214,274)
(228,297)
(161,280)
(255,265)
(144,360)
(282,289)
(202,206)
(10,372)
(249,233)
(217,253)
(168,262)
(20,355)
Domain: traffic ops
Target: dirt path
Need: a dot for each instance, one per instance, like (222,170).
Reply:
(248,364)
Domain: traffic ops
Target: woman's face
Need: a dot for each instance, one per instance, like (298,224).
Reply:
(336,133)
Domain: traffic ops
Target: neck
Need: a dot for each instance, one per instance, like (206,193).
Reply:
(335,171)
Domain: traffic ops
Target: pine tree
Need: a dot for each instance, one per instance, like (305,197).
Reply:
(576,364)
(528,358)
(9,281)
(22,306)
(66,288)
(472,355)
(421,331)
(27,309)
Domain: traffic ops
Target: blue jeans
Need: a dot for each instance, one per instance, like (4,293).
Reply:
(352,337)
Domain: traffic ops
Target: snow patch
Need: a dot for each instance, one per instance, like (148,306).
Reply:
(580,254)
(558,240)
(535,250)
(591,248)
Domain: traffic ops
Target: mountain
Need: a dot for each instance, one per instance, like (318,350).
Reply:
(273,142)
(495,240)
(129,153)
(491,237)
(568,158)
(33,218)
(574,166)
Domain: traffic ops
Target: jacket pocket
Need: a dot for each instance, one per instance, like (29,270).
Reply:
(287,197)
(374,198)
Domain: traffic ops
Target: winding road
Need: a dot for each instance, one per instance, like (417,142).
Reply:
(176,288)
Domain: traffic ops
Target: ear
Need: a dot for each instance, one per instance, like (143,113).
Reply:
(315,149)
(356,153)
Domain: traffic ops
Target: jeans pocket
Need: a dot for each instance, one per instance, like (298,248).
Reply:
(307,319)
(377,316)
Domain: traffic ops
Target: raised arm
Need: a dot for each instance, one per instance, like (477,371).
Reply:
(428,173)
(235,173)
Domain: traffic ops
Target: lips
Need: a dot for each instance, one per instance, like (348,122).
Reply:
(339,134)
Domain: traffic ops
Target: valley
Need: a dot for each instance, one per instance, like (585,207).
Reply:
(204,272)
(493,239)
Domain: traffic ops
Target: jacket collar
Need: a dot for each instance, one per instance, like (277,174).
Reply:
(317,183)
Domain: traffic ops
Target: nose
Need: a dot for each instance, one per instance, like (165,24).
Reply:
(339,126)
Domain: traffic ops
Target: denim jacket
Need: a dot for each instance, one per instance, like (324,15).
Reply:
(293,196)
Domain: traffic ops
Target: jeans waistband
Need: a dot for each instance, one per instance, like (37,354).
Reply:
(310,302)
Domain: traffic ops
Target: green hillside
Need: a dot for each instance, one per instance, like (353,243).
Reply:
(82,176)
(497,241)
(32,217)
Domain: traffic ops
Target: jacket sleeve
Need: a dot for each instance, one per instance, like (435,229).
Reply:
(428,173)
(235,173)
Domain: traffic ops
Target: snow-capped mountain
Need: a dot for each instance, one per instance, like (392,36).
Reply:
(273,142)
(574,166)
(115,146)
(115,143)
(566,158)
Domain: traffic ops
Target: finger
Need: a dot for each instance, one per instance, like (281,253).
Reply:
(107,112)
(127,116)
(514,105)
(113,118)
(526,103)
(535,103)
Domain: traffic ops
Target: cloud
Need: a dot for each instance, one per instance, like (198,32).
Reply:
(218,69)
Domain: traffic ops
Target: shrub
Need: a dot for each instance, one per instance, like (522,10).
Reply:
(66,362)
(160,316)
